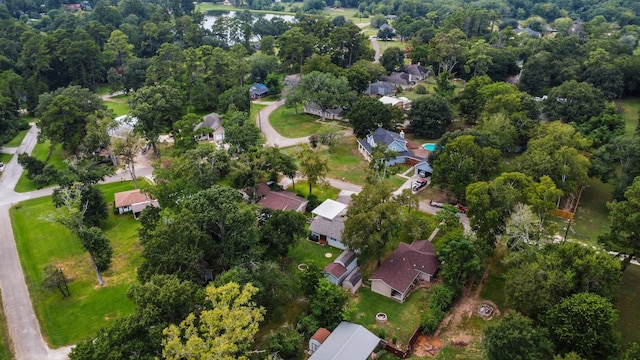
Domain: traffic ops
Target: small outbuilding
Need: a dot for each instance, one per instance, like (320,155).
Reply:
(318,339)
(258,90)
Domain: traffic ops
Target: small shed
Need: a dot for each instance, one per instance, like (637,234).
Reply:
(348,341)
(318,338)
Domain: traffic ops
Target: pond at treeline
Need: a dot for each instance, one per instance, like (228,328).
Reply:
(212,15)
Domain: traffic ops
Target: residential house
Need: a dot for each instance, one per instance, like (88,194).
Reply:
(416,72)
(527,31)
(381,88)
(334,113)
(328,223)
(291,80)
(347,342)
(210,129)
(258,90)
(133,201)
(398,78)
(344,267)
(401,271)
(392,141)
(280,199)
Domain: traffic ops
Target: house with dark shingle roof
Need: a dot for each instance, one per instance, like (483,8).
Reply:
(400,272)
(416,72)
(381,88)
(210,128)
(393,141)
(280,199)
(398,78)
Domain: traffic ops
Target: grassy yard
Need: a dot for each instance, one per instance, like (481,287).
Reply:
(289,124)
(402,318)
(17,140)
(40,152)
(5,346)
(591,217)
(631,110)
(629,305)
(311,253)
(346,163)
(323,192)
(89,308)
(118,104)
(5,158)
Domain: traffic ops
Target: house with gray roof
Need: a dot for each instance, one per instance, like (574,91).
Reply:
(348,341)
(393,141)
(416,72)
(398,78)
(210,129)
(380,88)
(401,271)
(527,31)
(328,223)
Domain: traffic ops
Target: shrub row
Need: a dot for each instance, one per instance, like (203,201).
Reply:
(442,296)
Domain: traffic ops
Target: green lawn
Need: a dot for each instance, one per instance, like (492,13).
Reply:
(292,125)
(17,140)
(310,253)
(89,308)
(103,89)
(118,104)
(591,218)
(323,192)
(402,318)
(5,158)
(629,305)
(346,163)
(631,110)
(5,346)
(40,152)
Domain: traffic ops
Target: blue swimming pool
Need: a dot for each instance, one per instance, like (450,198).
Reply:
(429,147)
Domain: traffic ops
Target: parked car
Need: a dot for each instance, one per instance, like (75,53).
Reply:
(419,184)
(461,208)
(1,166)
(436,204)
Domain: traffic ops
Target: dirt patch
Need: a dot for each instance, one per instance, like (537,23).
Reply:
(427,346)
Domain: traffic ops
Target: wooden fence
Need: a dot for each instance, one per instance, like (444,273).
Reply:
(404,354)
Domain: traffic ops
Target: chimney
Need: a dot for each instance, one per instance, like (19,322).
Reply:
(402,134)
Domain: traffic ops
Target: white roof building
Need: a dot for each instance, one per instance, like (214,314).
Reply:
(329,209)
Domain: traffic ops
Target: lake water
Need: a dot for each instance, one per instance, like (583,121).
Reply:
(211,16)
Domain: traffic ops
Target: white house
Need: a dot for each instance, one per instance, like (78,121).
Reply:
(210,129)
(328,223)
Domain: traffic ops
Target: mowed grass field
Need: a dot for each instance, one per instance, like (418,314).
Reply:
(629,305)
(65,321)
(631,111)
(290,124)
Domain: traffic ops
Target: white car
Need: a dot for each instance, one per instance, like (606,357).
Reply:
(1,166)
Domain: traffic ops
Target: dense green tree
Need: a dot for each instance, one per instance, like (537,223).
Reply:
(373,220)
(463,162)
(367,114)
(238,97)
(127,148)
(286,342)
(574,102)
(294,47)
(460,261)
(624,234)
(392,59)
(516,337)
(585,323)
(157,108)
(262,65)
(240,132)
(280,230)
(313,165)
(430,116)
(471,101)
(621,152)
(65,114)
(225,331)
(327,304)
(347,44)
